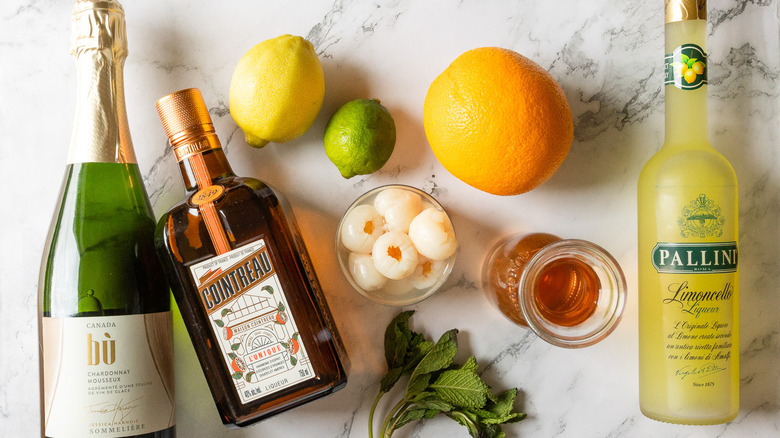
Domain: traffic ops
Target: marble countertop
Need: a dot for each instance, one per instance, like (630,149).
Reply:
(608,57)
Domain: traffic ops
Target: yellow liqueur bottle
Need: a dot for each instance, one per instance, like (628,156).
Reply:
(688,251)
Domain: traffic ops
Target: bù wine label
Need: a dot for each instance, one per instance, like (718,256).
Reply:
(108,376)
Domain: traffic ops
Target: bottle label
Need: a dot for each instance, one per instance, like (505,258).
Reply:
(686,67)
(209,194)
(108,376)
(248,311)
(672,258)
(698,289)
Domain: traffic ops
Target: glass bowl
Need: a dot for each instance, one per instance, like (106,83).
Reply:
(412,288)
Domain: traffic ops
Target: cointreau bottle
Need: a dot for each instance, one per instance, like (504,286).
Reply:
(242,279)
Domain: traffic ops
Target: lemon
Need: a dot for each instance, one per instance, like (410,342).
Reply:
(277,90)
(360,137)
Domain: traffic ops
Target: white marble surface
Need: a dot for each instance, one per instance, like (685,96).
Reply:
(606,54)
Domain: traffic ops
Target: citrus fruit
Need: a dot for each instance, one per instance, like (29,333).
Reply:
(277,90)
(498,121)
(238,365)
(360,137)
(690,75)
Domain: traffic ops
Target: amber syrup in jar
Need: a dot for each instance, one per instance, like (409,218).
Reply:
(569,292)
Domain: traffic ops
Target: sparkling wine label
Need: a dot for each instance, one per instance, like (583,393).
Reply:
(108,376)
(250,317)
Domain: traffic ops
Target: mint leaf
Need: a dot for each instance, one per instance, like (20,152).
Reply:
(438,358)
(397,338)
(461,388)
(513,418)
(467,419)
(416,385)
(429,400)
(441,354)
(409,416)
(470,365)
(504,403)
(389,379)
(419,347)
(436,405)
(404,349)
(436,385)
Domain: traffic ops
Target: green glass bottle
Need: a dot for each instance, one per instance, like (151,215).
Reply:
(106,349)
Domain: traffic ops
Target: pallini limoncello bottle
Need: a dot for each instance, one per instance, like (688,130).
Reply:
(688,252)
(105,320)
(242,279)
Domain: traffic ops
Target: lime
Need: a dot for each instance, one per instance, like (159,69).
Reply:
(277,90)
(360,137)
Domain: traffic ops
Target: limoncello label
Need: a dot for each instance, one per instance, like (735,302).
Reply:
(679,258)
(686,67)
(249,314)
(108,376)
(697,270)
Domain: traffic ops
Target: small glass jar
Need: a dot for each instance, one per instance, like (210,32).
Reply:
(430,274)
(571,293)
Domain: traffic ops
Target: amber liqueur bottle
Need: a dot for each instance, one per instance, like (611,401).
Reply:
(242,279)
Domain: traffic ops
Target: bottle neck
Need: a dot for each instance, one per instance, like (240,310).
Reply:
(686,84)
(100,130)
(204,168)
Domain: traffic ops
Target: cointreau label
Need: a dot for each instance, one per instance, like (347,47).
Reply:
(248,311)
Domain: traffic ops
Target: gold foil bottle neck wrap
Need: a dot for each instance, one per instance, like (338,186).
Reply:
(187,122)
(98,25)
(99,45)
(682,10)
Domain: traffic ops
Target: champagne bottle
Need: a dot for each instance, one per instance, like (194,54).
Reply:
(242,279)
(105,324)
(687,211)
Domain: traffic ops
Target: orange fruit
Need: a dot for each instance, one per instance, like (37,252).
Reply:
(238,365)
(498,121)
(294,346)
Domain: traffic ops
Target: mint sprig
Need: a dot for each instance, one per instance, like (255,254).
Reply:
(438,386)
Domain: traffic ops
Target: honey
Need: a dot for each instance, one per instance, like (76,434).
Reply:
(569,292)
